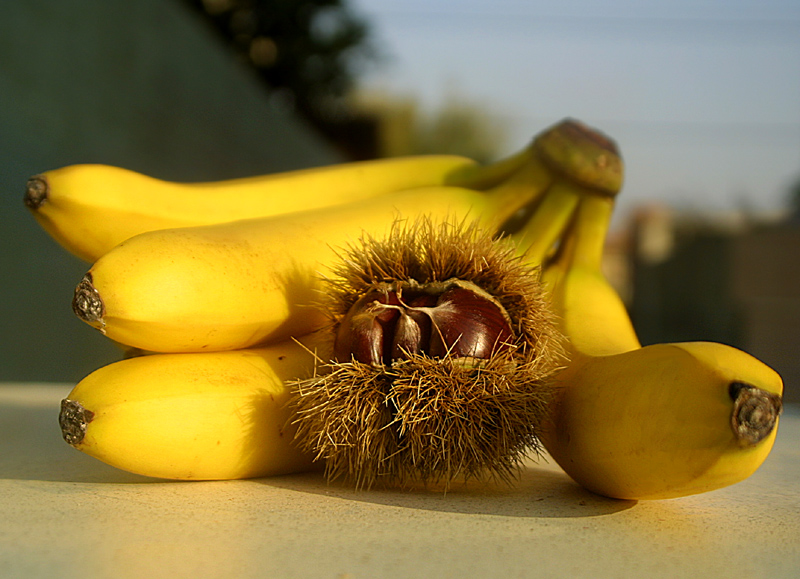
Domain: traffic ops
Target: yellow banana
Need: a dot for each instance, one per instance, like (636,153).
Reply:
(89,208)
(237,284)
(653,422)
(202,416)
(664,421)
(592,314)
(248,282)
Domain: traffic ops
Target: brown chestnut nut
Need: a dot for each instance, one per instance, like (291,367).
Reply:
(453,318)
(468,323)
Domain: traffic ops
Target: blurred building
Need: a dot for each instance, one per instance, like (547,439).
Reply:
(766,285)
(732,279)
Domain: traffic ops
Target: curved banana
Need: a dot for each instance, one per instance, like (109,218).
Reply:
(592,314)
(209,416)
(237,284)
(89,208)
(664,421)
(255,281)
(551,217)
(653,422)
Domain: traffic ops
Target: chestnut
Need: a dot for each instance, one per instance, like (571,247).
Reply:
(453,318)
(442,348)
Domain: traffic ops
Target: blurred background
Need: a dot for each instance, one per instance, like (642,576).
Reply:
(703,98)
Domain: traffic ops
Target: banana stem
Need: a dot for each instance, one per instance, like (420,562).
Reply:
(590,229)
(519,190)
(550,220)
(583,243)
(482,177)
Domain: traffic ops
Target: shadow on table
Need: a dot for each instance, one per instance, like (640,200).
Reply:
(539,492)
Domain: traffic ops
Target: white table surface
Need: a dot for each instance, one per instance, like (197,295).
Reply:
(64,514)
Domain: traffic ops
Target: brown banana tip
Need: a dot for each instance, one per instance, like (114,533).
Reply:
(87,304)
(36,192)
(73,420)
(755,413)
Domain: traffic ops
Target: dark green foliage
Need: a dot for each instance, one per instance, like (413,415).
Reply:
(309,51)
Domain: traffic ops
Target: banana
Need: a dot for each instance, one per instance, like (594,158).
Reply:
(629,422)
(654,422)
(592,314)
(247,282)
(546,226)
(203,416)
(90,208)
(241,283)
(664,421)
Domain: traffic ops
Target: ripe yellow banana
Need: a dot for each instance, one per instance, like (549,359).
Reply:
(237,284)
(592,314)
(653,422)
(664,421)
(201,416)
(89,209)
(248,282)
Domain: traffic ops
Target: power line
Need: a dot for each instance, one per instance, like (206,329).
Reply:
(771,28)
(462,11)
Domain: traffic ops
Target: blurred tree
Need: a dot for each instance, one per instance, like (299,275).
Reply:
(457,126)
(309,51)
(460,127)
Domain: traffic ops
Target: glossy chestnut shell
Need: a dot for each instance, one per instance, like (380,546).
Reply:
(452,318)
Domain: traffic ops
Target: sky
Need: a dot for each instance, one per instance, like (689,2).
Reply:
(702,97)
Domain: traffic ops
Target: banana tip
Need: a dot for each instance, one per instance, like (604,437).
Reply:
(73,420)
(87,304)
(36,192)
(755,413)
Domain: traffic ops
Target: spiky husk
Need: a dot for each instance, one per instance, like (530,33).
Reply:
(433,419)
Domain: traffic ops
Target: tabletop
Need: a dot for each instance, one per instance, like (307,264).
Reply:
(64,514)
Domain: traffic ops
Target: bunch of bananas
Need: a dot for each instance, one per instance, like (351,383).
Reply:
(220,282)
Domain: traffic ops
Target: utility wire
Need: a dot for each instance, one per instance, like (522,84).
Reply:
(760,27)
